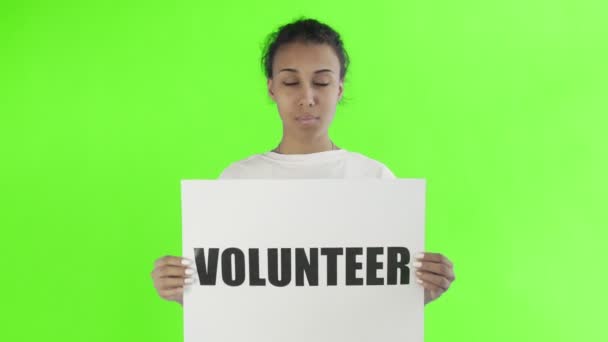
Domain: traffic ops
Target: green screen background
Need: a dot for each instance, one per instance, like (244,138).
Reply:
(500,105)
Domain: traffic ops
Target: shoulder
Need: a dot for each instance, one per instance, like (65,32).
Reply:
(236,169)
(374,167)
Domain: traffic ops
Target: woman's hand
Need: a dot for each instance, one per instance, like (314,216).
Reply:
(435,273)
(170,274)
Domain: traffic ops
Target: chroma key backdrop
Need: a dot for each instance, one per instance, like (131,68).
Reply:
(500,105)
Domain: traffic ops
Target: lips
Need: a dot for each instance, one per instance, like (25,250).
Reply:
(306,117)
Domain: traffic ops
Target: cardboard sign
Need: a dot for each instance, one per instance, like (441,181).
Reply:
(303,260)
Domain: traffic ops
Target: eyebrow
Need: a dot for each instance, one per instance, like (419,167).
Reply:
(316,72)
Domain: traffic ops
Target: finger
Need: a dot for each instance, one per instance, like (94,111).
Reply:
(434,279)
(173,294)
(434,290)
(435,257)
(434,267)
(172,260)
(171,283)
(173,271)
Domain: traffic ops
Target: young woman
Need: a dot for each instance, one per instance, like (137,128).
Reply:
(305,64)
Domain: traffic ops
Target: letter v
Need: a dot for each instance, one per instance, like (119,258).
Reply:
(207,272)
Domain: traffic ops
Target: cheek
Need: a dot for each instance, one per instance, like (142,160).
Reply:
(284,102)
(289,100)
(284,106)
(283,96)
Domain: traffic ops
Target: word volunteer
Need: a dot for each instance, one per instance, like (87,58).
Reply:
(236,264)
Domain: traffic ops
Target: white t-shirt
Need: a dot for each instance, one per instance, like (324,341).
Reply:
(329,164)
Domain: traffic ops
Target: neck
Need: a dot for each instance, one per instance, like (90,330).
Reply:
(290,145)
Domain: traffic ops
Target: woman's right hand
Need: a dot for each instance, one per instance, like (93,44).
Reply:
(170,275)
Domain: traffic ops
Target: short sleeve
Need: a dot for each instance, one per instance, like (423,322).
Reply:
(387,173)
(228,173)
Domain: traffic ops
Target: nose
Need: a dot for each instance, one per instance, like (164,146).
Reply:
(307,97)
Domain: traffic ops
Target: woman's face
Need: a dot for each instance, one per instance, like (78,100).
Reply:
(306,86)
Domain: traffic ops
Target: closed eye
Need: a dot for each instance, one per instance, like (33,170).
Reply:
(319,84)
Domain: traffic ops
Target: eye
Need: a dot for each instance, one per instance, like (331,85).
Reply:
(318,84)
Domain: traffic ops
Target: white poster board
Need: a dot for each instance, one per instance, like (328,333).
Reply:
(340,255)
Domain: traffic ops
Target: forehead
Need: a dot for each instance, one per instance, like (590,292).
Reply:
(306,57)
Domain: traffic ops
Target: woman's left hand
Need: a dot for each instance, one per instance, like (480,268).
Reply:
(435,273)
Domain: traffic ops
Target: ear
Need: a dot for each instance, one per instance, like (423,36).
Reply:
(340,90)
(270,93)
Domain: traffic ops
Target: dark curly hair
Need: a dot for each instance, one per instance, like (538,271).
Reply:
(308,31)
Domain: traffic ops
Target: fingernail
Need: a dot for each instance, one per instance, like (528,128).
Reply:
(189,271)
(417,264)
(419,273)
(419,281)
(186,261)
(188,281)
(419,255)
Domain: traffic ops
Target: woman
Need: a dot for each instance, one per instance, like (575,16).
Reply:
(305,64)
